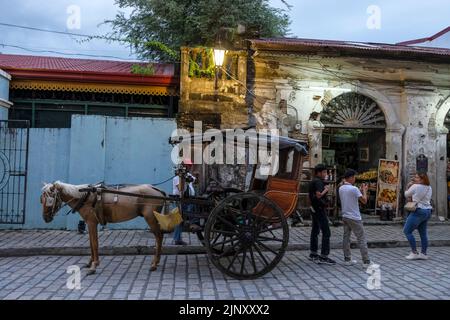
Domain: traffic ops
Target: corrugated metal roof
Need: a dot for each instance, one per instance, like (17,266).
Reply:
(428,39)
(380,49)
(26,62)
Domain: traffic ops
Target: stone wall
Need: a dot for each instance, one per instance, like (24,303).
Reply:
(224,98)
(413,96)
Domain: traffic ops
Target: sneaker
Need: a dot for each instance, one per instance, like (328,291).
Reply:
(326,260)
(195,228)
(313,257)
(423,256)
(180,243)
(367,264)
(349,262)
(413,256)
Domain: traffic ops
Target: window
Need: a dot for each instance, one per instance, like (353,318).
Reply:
(55,115)
(107,111)
(58,115)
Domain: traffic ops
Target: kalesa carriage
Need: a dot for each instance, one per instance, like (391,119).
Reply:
(245,233)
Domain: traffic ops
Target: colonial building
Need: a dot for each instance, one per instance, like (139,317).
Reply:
(356,102)
(69,136)
(47,91)
(5,104)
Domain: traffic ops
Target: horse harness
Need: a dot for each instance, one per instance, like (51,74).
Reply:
(97,205)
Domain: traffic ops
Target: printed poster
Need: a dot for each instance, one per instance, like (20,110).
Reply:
(388,184)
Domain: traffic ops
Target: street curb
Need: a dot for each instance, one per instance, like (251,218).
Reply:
(170,249)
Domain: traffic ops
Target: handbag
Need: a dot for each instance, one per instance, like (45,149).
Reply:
(168,222)
(411,206)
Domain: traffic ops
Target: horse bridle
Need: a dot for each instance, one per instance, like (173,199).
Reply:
(56,198)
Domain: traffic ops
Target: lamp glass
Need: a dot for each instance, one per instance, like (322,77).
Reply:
(219,56)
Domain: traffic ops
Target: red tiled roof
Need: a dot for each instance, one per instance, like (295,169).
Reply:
(422,40)
(382,50)
(11,61)
(87,71)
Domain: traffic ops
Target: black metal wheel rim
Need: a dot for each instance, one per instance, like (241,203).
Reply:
(246,236)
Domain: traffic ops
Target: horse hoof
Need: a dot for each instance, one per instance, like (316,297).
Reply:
(87,265)
(153,268)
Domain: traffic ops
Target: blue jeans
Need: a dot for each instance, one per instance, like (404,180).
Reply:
(320,223)
(188,209)
(417,220)
(177,232)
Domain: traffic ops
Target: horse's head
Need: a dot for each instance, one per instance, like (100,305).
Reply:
(51,201)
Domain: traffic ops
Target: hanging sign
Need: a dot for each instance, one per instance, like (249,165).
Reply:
(422,163)
(388,184)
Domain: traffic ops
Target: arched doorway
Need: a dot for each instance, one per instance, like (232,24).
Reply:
(447,175)
(355,133)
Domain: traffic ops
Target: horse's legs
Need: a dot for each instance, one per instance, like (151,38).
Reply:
(154,227)
(93,238)
(89,264)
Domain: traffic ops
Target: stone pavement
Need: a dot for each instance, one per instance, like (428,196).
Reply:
(125,242)
(193,277)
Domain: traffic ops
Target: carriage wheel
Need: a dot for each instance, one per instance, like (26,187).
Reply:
(246,236)
(218,197)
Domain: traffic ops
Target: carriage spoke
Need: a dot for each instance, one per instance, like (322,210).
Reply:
(225,242)
(228,233)
(261,254)
(234,258)
(269,239)
(253,259)
(266,247)
(227,223)
(243,260)
(223,254)
(217,238)
(230,249)
(270,229)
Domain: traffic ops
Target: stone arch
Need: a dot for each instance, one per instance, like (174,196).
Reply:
(394,129)
(384,103)
(353,110)
(438,129)
(442,109)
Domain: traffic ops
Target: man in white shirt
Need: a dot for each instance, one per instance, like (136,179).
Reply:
(351,217)
(188,209)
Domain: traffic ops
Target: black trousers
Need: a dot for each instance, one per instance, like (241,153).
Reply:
(320,224)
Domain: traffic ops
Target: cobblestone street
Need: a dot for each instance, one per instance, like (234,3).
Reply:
(130,242)
(192,277)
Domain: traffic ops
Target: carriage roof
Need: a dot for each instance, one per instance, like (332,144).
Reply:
(283,142)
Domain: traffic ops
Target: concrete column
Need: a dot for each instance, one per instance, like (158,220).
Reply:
(441,173)
(5,104)
(314,130)
(394,142)
(420,135)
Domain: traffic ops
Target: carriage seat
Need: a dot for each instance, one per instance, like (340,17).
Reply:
(284,192)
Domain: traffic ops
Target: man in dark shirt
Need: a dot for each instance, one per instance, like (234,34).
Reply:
(317,195)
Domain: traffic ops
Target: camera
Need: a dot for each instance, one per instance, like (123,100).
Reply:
(181,170)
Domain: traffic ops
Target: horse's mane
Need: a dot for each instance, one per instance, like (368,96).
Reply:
(69,189)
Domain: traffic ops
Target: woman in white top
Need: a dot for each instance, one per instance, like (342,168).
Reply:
(420,191)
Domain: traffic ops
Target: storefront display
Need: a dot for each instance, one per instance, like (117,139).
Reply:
(388,185)
(369,178)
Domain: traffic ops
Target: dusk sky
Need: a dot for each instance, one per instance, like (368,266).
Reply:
(399,20)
